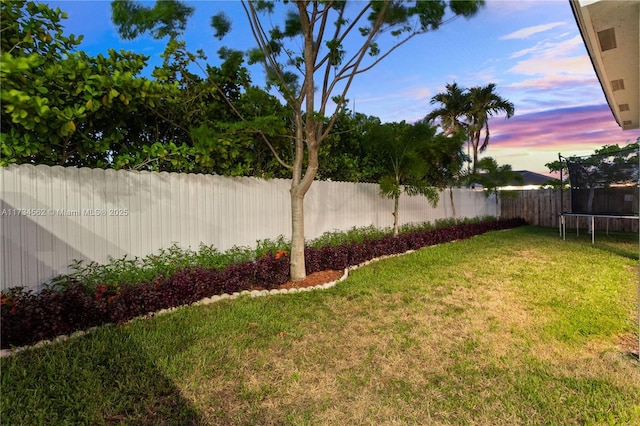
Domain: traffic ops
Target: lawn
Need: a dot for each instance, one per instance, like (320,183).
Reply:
(510,327)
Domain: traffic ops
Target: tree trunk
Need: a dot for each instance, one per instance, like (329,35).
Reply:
(475,141)
(300,184)
(299,187)
(396,203)
(297,267)
(453,206)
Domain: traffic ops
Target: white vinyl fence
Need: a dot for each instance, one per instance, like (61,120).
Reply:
(51,216)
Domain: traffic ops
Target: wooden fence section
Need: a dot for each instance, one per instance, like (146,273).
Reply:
(538,207)
(51,216)
(542,208)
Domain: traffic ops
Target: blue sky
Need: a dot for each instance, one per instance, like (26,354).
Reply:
(531,49)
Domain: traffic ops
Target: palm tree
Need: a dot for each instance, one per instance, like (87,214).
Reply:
(455,105)
(484,103)
(469,110)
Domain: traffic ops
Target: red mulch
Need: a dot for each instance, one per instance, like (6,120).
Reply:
(317,278)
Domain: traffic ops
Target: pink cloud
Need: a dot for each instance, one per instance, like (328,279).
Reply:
(554,82)
(562,127)
(528,141)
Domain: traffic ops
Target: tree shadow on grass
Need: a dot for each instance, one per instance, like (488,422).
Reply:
(99,379)
(629,249)
(621,244)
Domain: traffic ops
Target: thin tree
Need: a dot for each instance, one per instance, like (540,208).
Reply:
(451,171)
(312,60)
(408,154)
(484,103)
(492,177)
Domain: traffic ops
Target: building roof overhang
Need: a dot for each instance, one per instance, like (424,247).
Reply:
(611,33)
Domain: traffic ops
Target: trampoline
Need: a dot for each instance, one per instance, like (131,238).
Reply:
(603,185)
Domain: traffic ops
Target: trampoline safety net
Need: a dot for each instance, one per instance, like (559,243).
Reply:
(605,184)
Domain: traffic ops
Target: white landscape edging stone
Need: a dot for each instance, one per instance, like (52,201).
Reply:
(206,301)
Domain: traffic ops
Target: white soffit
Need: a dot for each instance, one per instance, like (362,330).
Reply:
(611,33)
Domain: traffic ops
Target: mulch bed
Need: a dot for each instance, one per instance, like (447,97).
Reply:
(312,280)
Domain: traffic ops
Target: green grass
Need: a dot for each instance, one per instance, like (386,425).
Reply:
(511,327)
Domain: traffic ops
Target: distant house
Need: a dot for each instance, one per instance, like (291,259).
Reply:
(530,180)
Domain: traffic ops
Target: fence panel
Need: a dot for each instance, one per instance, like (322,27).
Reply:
(538,207)
(51,216)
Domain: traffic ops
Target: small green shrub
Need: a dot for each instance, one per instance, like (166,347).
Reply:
(169,261)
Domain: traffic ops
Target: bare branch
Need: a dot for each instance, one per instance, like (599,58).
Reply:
(274,152)
(361,53)
(260,36)
(327,71)
(346,32)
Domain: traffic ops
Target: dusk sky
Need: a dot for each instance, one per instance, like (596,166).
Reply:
(531,49)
